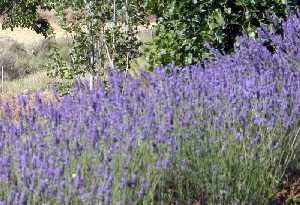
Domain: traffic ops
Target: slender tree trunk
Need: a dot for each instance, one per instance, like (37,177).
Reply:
(127,49)
(113,34)
(91,54)
(2,80)
(91,82)
(127,32)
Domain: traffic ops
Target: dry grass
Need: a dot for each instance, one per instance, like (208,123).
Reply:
(33,82)
(27,86)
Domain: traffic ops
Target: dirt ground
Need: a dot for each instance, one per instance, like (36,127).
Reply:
(29,37)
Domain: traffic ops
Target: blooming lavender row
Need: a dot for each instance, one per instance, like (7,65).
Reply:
(112,145)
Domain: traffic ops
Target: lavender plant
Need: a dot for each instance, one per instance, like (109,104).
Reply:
(220,135)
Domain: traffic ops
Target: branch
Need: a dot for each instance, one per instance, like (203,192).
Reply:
(107,51)
(4,9)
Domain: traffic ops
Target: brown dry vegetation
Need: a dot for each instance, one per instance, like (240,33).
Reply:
(31,98)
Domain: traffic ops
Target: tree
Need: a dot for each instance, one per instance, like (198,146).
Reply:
(103,32)
(185,26)
(24,13)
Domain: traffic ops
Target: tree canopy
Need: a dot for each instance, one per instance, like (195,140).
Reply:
(24,13)
(186,26)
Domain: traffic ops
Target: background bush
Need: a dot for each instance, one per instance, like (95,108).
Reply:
(18,61)
(184,26)
(15,60)
(223,135)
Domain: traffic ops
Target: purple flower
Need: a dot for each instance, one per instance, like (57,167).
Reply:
(121,133)
(143,188)
(79,180)
(24,197)
(255,140)
(238,136)
(43,186)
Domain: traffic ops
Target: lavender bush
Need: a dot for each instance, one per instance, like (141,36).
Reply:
(220,135)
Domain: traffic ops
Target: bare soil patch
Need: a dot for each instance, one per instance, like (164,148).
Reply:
(29,37)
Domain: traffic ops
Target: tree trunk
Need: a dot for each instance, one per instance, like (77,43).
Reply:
(91,50)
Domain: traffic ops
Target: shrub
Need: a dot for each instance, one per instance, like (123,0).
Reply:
(13,58)
(183,27)
(191,135)
(19,61)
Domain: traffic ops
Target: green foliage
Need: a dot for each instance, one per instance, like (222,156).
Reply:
(103,33)
(184,27)
(206,169)
(24,13)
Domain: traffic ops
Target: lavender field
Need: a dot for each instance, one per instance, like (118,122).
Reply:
(221,132)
